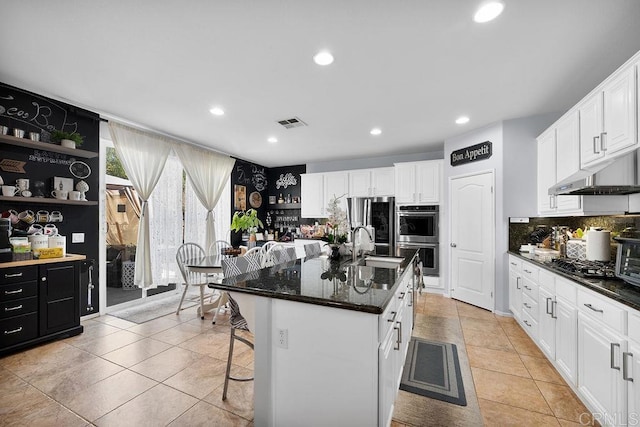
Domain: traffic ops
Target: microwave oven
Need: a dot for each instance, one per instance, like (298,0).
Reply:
(628,260)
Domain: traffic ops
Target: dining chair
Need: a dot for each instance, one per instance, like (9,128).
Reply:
(218,246)
(238,322)
(278,254)
(312,250)
(186,252)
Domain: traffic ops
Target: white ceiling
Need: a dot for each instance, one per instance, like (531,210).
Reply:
(409,67)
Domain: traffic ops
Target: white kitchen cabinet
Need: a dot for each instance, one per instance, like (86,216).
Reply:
(567,146)
(515,287)
(608,119)
(318,188)
(372,182)
(600,381)
(418,182)
(547,322)
(312,195)
(631,376)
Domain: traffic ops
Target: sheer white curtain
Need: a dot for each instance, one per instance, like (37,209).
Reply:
(195,215)
(208,173)
(143,156)
(165,206)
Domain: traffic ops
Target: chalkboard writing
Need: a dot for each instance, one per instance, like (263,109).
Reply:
(34,110)
(259,178)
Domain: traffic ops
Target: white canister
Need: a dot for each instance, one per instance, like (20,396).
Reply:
(58,241)
(598,244)
(38,241)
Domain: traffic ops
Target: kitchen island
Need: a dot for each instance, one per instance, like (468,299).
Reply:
(330,338)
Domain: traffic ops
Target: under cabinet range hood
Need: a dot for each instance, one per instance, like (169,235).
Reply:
(614,179)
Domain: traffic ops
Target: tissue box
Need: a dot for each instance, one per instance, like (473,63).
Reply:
(577,249)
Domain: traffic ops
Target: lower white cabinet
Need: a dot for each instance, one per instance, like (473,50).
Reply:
(515,287)
(600,381)
(566,331)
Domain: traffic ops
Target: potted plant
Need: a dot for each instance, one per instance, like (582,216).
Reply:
(246,221)
(67,139)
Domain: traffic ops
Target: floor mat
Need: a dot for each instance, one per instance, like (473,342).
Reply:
(432,369)
(153,309)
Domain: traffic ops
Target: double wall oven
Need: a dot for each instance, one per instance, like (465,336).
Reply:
(417,226)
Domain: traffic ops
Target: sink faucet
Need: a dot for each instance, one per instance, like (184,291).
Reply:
(354,234)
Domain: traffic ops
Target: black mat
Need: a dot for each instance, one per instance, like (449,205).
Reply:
(432,369)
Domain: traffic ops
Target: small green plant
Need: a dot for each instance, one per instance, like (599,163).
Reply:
(59,135)
(247,220)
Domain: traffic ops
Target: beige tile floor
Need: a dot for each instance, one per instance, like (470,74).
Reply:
(170,371)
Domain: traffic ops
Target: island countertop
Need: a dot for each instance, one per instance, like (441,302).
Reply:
(319,281)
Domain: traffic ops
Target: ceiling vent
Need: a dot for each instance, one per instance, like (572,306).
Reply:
(291,123)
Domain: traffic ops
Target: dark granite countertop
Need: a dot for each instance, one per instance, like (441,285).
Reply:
(616,289)
(338,284)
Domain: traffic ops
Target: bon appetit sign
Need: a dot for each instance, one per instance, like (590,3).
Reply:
(471,154)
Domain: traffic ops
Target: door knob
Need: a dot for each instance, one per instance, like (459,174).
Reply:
(453,245)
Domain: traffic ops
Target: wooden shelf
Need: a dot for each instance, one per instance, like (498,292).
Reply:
(284,206)
(45,201)
(36,145)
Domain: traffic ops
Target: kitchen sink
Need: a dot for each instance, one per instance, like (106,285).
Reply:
(380,261)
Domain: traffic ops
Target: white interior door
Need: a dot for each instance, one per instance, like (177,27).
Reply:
(472,244)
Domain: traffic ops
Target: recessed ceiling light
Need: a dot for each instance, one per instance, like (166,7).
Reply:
(375,131)
(462,120)
(488,11)
(217,111)
(323,58)
(272,139)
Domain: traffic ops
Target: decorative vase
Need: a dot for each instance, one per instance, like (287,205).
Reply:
(68,143)
(252,240)
(335,252)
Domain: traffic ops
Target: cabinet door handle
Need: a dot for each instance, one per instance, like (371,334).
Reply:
(17,291)
(603,146)
(399,329)
(613,354)
(453,245)
(625,367)
(548,310)
(8,276)
(595,145)
(410,303)
(597,310)
(402,294)
(514,264)
(15,331)
(553,309)
(393,318)
(518,282)
(397,346)
(17,307)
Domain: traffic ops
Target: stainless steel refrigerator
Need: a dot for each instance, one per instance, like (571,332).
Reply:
(377,212)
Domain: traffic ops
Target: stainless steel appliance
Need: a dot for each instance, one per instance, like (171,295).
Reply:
(628,259)
(584,268)
(417,224)
(377,212)
(429,256)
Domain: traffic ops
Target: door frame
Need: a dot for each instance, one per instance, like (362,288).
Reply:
(491,171)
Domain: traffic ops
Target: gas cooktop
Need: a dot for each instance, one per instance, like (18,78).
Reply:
(583,268)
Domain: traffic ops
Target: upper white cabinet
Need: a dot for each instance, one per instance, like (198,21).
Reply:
(371,182)
(418,182)
(608,119)
(319,188)
(567,146)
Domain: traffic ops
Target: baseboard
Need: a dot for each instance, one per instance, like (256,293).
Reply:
(503,314)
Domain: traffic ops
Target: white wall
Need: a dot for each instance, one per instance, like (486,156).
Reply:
(514,164)
(370,162)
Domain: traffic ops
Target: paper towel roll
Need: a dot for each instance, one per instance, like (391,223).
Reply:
(598,245)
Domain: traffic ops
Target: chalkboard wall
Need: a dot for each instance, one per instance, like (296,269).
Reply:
(34,113)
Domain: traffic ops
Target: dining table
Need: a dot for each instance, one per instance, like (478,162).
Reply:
(211,265)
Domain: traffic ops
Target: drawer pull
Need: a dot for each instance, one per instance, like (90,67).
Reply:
(527,305)
(594,309)
(402,294)
(514,264)
(393,318)
(17,307)
(527,288)
(613,355)
(8,276)
(15,331)
(527,323)
(625,367)
(17,291)
(527,271)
